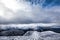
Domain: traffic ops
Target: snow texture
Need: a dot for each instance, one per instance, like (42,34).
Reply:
(34,35)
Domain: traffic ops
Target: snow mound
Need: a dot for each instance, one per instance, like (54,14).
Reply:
(28,33)
(34,35)
(46,35)
(47,32)
(42,33)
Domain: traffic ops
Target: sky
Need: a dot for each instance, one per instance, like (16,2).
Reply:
(29,11)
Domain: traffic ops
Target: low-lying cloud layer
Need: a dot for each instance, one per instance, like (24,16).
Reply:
(34,26)
(21,11)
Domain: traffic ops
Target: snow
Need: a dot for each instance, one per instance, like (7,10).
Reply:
(34,35)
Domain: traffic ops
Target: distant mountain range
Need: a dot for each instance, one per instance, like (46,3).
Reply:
(21,29)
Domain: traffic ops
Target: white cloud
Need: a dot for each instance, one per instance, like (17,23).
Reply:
(27,26)
(9,9)
(20,11)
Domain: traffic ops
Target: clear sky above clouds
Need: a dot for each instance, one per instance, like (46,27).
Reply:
(29,11)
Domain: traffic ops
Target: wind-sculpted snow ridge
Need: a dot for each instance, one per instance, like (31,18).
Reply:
(47,35)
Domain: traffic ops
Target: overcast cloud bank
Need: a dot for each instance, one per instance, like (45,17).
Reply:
(22,11)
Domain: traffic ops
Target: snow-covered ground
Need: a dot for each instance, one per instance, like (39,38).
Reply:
(34,35)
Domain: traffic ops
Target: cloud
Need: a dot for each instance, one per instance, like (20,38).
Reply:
(29,26)
(12,9)
(21,11)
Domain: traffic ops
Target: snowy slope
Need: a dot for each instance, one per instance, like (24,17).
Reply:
(47,35)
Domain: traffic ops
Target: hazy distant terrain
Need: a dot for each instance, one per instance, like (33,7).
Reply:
(37,31)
